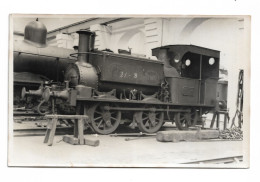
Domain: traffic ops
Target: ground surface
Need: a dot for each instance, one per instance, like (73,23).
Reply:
(116,152)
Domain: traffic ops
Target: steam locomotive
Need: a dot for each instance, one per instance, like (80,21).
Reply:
(114,89)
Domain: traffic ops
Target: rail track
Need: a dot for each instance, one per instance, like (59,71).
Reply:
(28,123)
(224,160)
(41,131)
(25,114)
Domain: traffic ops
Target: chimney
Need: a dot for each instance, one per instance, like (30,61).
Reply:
(86,44)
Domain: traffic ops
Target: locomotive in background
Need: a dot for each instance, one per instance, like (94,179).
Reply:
(113,89)
(35,62)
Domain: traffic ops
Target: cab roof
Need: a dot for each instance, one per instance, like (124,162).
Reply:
(182,49)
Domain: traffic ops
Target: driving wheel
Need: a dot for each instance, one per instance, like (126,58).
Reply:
(184,120)
(104,121)
(149,121)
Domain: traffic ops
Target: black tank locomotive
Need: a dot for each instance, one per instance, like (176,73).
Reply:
(113,89)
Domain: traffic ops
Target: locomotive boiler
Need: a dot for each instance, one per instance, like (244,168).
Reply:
(114,89)
(104,71)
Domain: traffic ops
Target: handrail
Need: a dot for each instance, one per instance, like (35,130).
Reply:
(73,54)
(117,55)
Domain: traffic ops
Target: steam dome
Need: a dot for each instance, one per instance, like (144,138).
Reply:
(35,32)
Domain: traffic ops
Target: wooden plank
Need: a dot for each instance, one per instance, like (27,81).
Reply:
(91,142)
(213,120)
(52,132)
(217,124)
(177,135)
(208,134)
(76,133)
(80,131)
(225,121)
(75,141)
(47,133)
(70,139)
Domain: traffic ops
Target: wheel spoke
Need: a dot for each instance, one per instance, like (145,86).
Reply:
(150,125)
(113,118)
(98,112)
(97,118)
(145,118)
(100,123)
(147,121)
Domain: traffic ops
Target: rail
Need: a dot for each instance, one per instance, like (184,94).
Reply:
(224,160)
(40,131)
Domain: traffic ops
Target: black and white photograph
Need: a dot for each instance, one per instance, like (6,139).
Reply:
(129,91)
